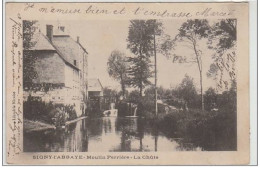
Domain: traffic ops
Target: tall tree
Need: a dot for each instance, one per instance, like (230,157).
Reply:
(29,72)
(141,42)
(139,72)
(117,67)
(222,38)
(190,33)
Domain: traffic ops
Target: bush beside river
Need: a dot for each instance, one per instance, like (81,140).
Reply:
(49,113)
(209,130)
(214,128)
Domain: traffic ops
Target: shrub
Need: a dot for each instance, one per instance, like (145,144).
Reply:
(209,130)
(50,113)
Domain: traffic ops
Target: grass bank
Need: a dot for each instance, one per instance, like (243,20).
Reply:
(209,130)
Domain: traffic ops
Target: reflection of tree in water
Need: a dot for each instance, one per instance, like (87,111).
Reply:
(130,129)
(154,130)
(55,142)
(42,141)
(84,131)
(140,129)
(125,141)
(95,126)
(123,126)
(76,137)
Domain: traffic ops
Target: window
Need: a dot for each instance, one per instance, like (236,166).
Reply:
(75,62)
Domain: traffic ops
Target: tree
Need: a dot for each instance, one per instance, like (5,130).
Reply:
(139,73)
(29,72)
(190,33)
(117,67)
(223,37)
(187,91)
(141,42)
(110,92)
(210,99)
(134,96)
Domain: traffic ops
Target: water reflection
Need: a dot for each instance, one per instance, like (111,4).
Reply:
(103,135)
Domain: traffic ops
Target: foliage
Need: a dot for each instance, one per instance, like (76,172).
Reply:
(210,99)
(134,96)
(190,33)
(192,29)
(117,68)
(110,92)
(50,113)
(222,38)
(228,101)
(29,72)
(224,35)
(162,92)
(211,130)
(212,71)
(141,37)
(208,130)
(139,72)
(187,91)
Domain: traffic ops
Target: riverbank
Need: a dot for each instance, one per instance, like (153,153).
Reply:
(32,126)
(209,130)
(75,120)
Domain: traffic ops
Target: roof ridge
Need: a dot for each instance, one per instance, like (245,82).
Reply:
(73,40)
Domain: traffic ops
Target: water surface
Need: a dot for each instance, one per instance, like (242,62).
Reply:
(107,134)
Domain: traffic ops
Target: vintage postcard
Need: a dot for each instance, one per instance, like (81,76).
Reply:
(127,83)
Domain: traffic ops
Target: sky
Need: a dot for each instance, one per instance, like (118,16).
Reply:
(101,37)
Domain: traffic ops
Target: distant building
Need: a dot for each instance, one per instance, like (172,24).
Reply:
(95,96)
(95,88)
(61,66)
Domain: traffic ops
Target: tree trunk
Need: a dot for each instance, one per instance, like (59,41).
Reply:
(141,82)
(201,90)
(155,77)
(199,63)
(141,90)
(122,86)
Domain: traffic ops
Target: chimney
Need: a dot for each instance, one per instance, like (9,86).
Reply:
(49,32)
(77,39)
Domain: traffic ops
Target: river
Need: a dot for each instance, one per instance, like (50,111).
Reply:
(106,134)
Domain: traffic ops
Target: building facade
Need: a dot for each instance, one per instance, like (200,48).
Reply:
(95,88)
(61,66)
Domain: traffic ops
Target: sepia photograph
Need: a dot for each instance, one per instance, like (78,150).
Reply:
(129,85)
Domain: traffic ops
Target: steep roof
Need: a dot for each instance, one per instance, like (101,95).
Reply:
(64,45)
(67,47)
(94,84)
(41,42)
